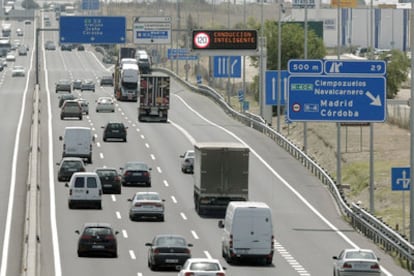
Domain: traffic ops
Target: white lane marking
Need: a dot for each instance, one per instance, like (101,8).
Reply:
(98,144)
(132,254)
(122,113)
(173,199)
(142,136)
(139,274)
(134,125)
(101,155)
(166,183)
(113,197)
(152,156)
(287,185)
(125,233)
(194,234)
(207,254)
(183,216)
(137,130)
(118,215)
(290,259)
(147,145)
(159,169)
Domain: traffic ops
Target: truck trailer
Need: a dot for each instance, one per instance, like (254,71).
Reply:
(126,75)
(221,175)
(154,98)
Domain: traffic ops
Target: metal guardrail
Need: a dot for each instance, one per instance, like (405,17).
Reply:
(367,224)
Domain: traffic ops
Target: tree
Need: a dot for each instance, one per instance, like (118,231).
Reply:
(397,71)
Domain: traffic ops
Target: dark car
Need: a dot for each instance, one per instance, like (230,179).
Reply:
(106,81)
(64,97)
(66,47)
(187,163)
(87,85)
(134,173)
(81,47)
(68,166)
(76,84)
(110,180)
(170,251)
(63,85)
(97,239)
(115,131)
(71,109)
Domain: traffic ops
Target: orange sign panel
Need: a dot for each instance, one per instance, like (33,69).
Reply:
(344,3)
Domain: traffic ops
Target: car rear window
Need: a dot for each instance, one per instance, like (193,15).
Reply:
(204,266)
(171,241)
(72,164)
(91,182)
(79,182)
(95,231)
(107,173)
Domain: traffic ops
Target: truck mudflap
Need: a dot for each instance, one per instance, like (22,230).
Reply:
(214,205)
(153,114)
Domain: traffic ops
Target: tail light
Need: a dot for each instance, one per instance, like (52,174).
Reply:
(156,251)
(117,178)
(82,170)
(346,265)
(220,274)
(189,274)
(86,237)
(146,173)
(231,241)
(138,204)
(109,237)
(157,205)
(187,251)
(375,266)
(127,173)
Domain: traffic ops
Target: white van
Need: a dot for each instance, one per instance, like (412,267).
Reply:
(85,189)
(248,232)
(77,142)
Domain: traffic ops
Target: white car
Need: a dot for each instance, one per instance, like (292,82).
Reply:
(19,32)
(105,104)
(18,71)
(356,262)
(146,205)
(202,267)
(10,57)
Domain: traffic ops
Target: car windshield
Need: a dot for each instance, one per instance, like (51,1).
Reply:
(147,197)
(96,231)
(360,255)
(170,241)
(204,266)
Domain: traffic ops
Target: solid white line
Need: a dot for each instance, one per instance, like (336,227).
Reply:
(9,216)
(287,185)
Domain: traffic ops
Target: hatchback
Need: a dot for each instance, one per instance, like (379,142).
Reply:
(105,104)
(68,166)
(97,239)
(63,85)
(110,180)
(64,97)
(115,131)
(146,205)
(76,84)
(87,85)
(106,81)
(202,267)
(168,250)
(71,109)
(136,173)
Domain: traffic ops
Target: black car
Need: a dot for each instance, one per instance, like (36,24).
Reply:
(115,131)
(134,173)
(110,180)
(68,166)
(64,97)
(106,81)
(168,251)
(66,47)
(63,85)
(97,239)
(81,47)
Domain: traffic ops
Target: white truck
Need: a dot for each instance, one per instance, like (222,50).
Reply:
(6,29)
(126,76)
(221,175)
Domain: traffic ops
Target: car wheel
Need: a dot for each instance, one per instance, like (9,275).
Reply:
(80,118)
(115,255)
(131,217)
(118,191)
(81,254)
(87,113)
(125,139)
(70,205)
(153,267)
(99,205)
(61,117)
(162,218)
(148,184)
(104,139)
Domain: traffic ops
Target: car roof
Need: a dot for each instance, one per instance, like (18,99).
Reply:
(147,193)
(105,169)
(203,260)
(71,159)
(97,224)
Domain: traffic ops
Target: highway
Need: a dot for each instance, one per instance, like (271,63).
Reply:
(308,228)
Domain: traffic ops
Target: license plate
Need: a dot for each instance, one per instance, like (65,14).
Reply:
(242,251)
(107,185)
(97,246)
(115,131)
(72,170)
(136,174)
(171,261)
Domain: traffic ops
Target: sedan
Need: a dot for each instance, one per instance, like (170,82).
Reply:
(105,104)
(168,250)
(10,57)
(110,180)
(18,71)
(356,262)
(68,166)
(50,45)
(136,173)
(64,97)
(106,81)
(85,106)
(202,267)
(187,163)
(63,85)
(97,239)
(76,84)
(146,205)
(87,85)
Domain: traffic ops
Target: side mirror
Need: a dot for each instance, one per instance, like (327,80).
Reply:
(77,232)
(220,224)
(66,185)
(335,257)
(148,244)
(60,138)
(116,232)
(129,199)
(190,245)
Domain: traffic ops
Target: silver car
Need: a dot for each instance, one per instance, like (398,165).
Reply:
(85,106)
(87,85)
(105,104)
(356,262)
(187,163)
(146,205)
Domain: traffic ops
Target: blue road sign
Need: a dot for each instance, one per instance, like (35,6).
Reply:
(305,66)
(199,79)
(180,54)
(368,67)
(90,4)
(92,29)
(227,66)
(400,179)
(336,99)
(240,95)
(271,80)
(246,105)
